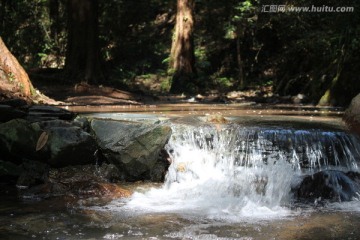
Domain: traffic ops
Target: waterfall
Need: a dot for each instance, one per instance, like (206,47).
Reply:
(233,171)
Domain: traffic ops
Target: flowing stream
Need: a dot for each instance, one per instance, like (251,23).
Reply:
(238,180)
(235,173)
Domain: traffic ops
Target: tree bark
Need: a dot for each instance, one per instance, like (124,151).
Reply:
(182,57)
(54,6)
(240,63)
(83,54)
(13,78)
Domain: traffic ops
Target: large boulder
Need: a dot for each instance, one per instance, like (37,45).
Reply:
(57,143)
(133,147)
(352,115)
(18,139)
(67,144)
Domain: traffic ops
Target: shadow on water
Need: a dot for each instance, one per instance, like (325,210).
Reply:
(233,180)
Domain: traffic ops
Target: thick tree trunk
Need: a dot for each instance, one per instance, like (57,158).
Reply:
(182,58)
(13,78)
(83,53)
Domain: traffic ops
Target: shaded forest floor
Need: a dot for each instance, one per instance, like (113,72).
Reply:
(149,92)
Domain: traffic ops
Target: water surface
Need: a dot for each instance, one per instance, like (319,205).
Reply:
(228,180)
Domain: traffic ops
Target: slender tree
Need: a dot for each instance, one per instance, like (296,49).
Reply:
(182,57)
(83,54)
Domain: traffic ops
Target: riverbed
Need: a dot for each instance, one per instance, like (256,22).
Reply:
(197,199)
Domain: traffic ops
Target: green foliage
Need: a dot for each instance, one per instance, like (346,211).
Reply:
(224,82)
(165,85)
(11,77)
(311,53)
(26,28)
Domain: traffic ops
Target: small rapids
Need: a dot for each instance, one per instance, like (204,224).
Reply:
(233,172)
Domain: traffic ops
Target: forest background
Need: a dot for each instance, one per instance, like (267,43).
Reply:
(190,46)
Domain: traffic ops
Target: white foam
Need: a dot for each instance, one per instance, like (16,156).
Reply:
(229,174)
(204,180)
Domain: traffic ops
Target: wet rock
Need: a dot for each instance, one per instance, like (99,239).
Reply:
(33,173)
(63,144)
(331,185)
(101,189)
(82,122)
(18,139)
(352,115)
(89,172)
(83,181)
(69,146)
(217,119)
(55,123)
(16,103)
(189,120)
(8,113)
(133,147)
(110,173)
(9,172)
(42,113)
(157,173)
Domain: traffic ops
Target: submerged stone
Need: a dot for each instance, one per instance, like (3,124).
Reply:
(9,171)
(33,173)
(82,181)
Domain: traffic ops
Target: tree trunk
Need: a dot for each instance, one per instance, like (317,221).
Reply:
(83,54)
(240,63)
(13,78)
(54,6)
(182,57)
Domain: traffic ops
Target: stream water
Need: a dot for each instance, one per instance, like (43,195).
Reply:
(226,181)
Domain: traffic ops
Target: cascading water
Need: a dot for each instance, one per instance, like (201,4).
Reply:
(231,172)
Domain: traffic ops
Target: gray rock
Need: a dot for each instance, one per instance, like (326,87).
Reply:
(42,113)
(8,113)
(65,144)
(352,114)
(77,181)
(32,173)
(82,122)
(69,146)
(133,147)
(9,169)
(16,103)
(18,139)
(55,123)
